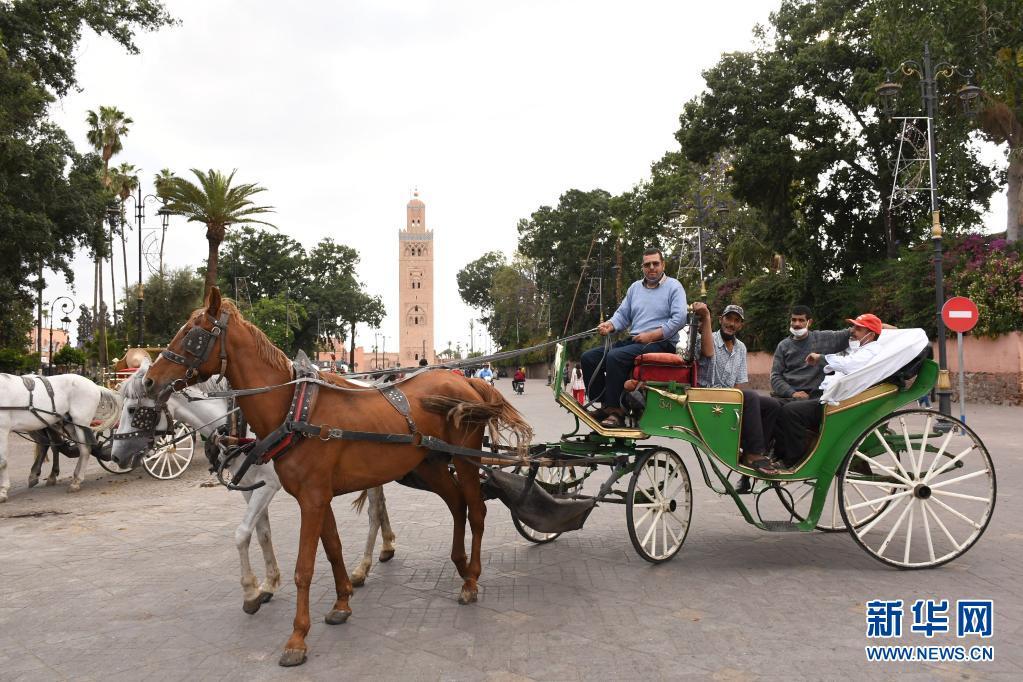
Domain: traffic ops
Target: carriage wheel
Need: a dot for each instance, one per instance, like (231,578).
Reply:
(659,505)
(801,498)
(105,460)
(169,456)
(927,483)
(561,478)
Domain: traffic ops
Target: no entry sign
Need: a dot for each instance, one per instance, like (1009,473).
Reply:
(960,314)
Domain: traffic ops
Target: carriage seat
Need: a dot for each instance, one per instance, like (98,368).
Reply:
(904,376)
(663,367)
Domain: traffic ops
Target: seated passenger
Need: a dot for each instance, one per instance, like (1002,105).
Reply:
(800,419)
(722,364)
(653,311)
(791,377)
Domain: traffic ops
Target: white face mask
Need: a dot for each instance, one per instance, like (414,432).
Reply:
(853,344)
(798,333)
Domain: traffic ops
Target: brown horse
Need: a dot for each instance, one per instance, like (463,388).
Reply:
(442,405)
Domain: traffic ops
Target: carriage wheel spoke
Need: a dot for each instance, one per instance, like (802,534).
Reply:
(937,520)
(891,453)
(973,474)
(938,455)
(885,512)
(651,533)
(909,449)
(927,529)
(647,495)
(951,463)
(946,493)
(957,513)
(888,470)
(895,527)
(877,500)
(880,484)
(909,531)
(647,513)
(923,442)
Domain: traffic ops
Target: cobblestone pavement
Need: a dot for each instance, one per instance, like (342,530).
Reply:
(135,578)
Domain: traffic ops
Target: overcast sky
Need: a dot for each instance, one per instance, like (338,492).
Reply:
(340,109)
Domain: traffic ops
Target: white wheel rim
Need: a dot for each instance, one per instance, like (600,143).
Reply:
(931,495)
(169,459)
(554,476)
(661,514)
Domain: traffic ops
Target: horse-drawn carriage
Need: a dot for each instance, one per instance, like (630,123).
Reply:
(915,488)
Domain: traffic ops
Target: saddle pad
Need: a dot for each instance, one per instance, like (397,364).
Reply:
(663,367)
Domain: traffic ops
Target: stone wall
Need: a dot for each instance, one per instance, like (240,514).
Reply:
(994,368)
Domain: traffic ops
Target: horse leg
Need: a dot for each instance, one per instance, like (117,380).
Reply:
(342,585)
(37,465)
(5,476)
(313,509)
(441,482)
(83,459)
(272,581)
(54,465)
(387,551)
(469,482)
(359,574)
(242,537)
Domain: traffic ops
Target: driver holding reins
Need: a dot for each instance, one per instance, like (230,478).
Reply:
(654,310)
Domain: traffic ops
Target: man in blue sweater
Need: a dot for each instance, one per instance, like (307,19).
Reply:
(654,310)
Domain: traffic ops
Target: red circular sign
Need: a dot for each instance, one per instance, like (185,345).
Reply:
(960,314)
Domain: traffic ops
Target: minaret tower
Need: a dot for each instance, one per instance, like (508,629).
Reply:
(415,286)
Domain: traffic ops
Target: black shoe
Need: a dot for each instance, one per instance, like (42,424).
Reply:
(745,485)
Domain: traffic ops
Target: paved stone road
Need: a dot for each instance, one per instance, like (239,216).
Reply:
(134,578)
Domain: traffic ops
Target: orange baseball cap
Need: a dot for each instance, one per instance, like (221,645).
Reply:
(867,321)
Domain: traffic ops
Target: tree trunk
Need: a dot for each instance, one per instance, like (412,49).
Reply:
(351,349)
(124,260)
(1014,224)
(113,281)
(891,246)
(211,266)
(618,270)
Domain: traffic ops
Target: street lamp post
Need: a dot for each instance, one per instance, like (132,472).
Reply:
(65,308)
(140,218)
(928,73)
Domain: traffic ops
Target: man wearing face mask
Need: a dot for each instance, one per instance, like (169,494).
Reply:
(791,377)
(723,365)
(799,419)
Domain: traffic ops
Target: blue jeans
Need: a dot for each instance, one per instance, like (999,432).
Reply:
(616,368)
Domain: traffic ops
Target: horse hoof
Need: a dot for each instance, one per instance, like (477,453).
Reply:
(467,596)
(50,482)
(292,657)
(336,617)
(33,482)
(74,487)
(250,606)
(386,555)
(358,580)
(264,597)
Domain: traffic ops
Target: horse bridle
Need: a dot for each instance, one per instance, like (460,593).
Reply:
(198,343)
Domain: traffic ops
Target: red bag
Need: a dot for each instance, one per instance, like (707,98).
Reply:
(663,367)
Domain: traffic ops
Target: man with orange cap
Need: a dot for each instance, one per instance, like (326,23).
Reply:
(800,419)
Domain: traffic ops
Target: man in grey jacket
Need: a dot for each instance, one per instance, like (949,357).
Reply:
(791,377)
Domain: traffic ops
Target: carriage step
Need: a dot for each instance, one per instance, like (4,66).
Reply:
(780,526)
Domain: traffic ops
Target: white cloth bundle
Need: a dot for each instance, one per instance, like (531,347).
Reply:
(897,347)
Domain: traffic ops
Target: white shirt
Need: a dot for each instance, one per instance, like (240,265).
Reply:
(847,362)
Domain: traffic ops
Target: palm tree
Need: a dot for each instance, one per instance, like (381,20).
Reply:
(216,204)
(105,132)
(123,181)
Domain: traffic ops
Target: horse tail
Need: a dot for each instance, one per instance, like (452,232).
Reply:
(108,411)
(491,410)
(359,502)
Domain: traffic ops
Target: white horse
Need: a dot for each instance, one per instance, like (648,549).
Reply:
(207,415)
(74,397)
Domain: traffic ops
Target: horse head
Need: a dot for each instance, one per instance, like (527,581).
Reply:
(197,351)
(141,419)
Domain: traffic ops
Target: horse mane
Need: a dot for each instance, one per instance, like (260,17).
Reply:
(267,351)
(131,388)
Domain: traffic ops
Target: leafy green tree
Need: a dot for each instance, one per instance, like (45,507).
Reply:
(808,151)
(985,37)
(217,204)
(279,318)
(106,128)
(69,356)
(476,280)
(169,300)
(270,261)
